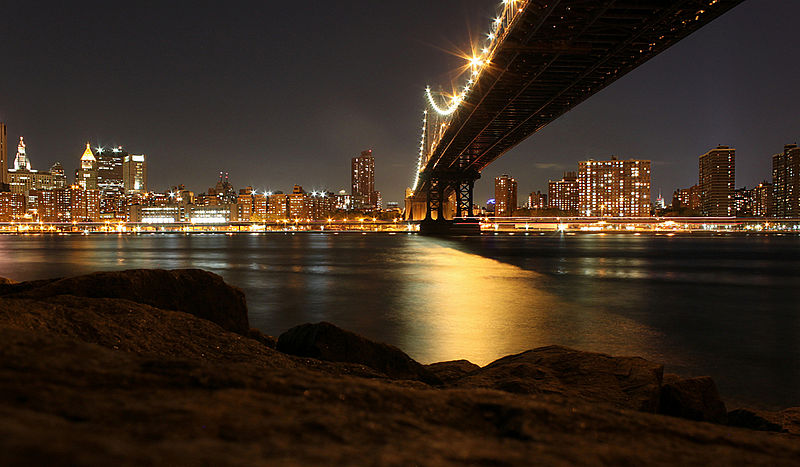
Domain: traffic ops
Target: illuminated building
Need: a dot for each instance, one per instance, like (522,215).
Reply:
(717,178)
(614,188)
(762,200)
(53,205)
(278,207)
(59,177)
(13,206)
(220,214)
(84,204)
(109,170)
(223,190)
(134,174)
(245,204)
(363,183)
(3,157)
(786,182)
(563,194)
(86,176)
(21,162)
(344,202)
(261,206)
(299,207)
(743,200)
(537,200)
(322,204)
(505,195)
(22,178)
(687,198)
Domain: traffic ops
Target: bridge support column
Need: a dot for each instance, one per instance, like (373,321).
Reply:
(434,199)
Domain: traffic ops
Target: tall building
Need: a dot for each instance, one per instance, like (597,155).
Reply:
(13,206)
(614,188)
(21,162)
(134,174)
(762,200)
(687,198)
(786,182)
(59,177)
(717,179)
(363,182)
(505,195)
(109,170)
(87,174)
(3,158)
(537,200)
(743,200)
(563,194)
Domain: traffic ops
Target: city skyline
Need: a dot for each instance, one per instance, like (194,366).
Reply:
(691,98)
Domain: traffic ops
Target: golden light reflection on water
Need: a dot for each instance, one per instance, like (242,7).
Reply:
(476,308)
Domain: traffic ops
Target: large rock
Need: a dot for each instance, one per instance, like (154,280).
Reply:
(452,370)
(194,291)
(752,420)
(692,398)
(324,341)
(627,382)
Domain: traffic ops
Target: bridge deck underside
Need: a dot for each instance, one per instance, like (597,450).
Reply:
(556,55)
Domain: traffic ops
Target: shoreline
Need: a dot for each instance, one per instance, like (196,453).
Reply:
(134,362)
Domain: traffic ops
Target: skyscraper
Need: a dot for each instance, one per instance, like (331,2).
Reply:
(21,162)
(786,182)
(505,195)
(717,181)
(363,182)
(109,170)
(3,158)
(134,174)
(563,194)
(614,188)
(87,174)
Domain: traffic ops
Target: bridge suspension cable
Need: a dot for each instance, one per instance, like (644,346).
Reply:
(481,58)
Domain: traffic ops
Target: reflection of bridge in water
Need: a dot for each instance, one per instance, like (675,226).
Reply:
(540,59)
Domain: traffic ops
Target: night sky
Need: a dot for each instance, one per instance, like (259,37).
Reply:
(278,93)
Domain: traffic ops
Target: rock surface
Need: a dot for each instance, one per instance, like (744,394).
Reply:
(692,398)
(107,381)
(626,382)
(193,291)
(324,341)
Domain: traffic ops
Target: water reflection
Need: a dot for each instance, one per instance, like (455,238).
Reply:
(728,307)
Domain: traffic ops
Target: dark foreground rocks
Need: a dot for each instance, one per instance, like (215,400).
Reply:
(87,380)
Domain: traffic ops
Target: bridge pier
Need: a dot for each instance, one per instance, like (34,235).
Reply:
(464,223)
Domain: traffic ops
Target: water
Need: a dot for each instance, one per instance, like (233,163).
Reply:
(725,306)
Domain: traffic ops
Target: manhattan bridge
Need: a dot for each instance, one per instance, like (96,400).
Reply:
(538,60)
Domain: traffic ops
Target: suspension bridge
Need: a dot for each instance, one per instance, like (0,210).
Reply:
(538,60)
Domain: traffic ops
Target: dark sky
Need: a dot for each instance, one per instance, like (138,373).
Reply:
(278,93)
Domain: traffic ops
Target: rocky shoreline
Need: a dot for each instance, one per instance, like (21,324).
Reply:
(161,367)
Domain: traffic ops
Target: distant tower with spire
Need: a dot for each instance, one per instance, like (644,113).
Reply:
(86,176)
(21,162)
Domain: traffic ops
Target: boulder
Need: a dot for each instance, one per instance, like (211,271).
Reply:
(324,341)
(745,418)
(692,398)
(626,382)
(6,281)
(259,336)
(452,370)
(194,291)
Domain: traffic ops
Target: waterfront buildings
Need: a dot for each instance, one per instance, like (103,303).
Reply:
(364,196)
(23,178)
(109,170)
(134,174)
(12,206)
(687,198)
(505,196)
(3,158)
(717,178)
(537,200)
(86,176)
(614,188)
(786,182)
(563,194)
(763,200)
